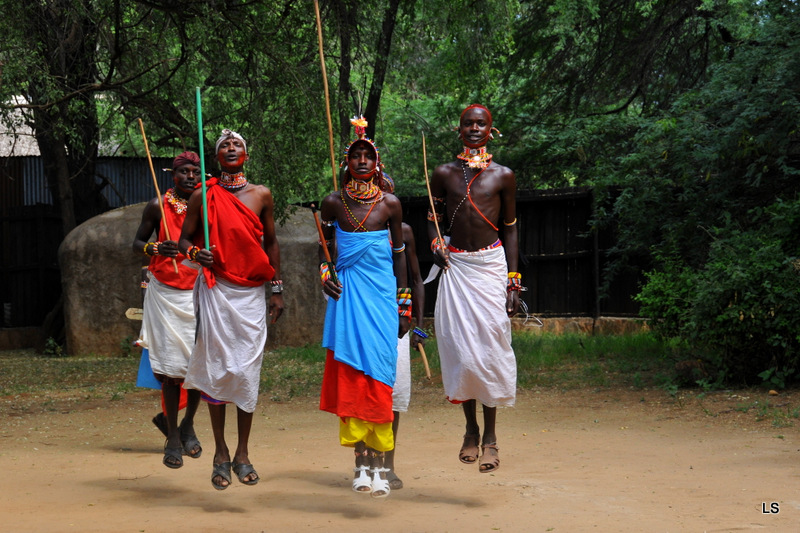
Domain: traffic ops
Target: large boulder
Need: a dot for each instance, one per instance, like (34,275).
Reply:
(101,274)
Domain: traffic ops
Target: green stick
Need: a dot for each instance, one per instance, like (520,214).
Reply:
(202,166)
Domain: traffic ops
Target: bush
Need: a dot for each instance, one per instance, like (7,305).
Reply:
(742,308)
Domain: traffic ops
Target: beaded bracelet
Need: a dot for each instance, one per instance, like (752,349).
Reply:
(436,244)
(327,271)
(404,301)
(155,248)
(143,284)
(510,223)
(400,249)
(277,286)
(420,333)
(514,281)
(192,252)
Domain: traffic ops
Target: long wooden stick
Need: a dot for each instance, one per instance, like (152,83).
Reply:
(324,243)
(424,360)
(158,192)
(428,184)
(327,93)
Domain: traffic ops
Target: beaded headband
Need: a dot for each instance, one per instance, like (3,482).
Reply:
(360,125)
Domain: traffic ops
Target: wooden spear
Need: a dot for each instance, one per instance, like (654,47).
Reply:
(428,184)
(158,192)
(327,93)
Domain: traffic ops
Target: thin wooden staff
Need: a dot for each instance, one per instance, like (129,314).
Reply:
(430,196)
(158,192)
(424,360)
(323,243)
(327,93)
(202,166)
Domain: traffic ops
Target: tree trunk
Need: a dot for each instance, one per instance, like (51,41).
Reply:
(381,63)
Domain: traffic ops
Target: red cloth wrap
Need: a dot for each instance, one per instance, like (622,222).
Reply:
(349,392)
(239,256)
(160,266)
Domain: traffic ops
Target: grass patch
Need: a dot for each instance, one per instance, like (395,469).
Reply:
(572,361)
(547,360)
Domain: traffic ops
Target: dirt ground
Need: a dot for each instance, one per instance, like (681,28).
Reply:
(618,460)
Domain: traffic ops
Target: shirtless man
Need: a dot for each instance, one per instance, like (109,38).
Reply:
(479,290)
(230,298)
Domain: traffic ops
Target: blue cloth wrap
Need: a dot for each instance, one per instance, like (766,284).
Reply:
(145,377)
(361,327)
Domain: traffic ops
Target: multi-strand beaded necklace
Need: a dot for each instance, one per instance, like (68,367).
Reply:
(365,193)
(177,203)
(468,195)
(476,157)
(233,182)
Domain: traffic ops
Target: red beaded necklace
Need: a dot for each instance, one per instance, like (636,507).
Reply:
(475,157)
(232,182)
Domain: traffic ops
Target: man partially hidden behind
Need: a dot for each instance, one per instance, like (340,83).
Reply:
(361,322)
(479,288)
(168,321)
(230,300)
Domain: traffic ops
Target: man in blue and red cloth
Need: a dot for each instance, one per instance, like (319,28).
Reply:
(168,322)
(365,314)
(230,299)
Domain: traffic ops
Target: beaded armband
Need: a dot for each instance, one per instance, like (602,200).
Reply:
(277,286)
(439,216)
(327,271)
(509,224)
(404,301)
(155,248)
(514,281)
(438,207)
(328,223)
(192,252)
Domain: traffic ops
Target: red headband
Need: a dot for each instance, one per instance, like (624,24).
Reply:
(478,106)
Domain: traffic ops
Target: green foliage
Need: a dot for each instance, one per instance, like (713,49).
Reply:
(52,348)
(742,307)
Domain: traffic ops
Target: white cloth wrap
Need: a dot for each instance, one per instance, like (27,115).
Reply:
(473,331)
(401,393)
(168,326)
(231,334)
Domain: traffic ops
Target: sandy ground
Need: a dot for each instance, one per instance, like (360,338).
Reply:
(618,460)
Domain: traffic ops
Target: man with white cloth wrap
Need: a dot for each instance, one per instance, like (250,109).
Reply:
(479,287)
(230,300)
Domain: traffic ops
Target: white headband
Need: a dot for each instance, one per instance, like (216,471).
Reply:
(227,134)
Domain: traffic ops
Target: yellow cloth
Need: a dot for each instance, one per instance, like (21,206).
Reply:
(376,436)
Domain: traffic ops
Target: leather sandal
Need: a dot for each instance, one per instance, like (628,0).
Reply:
(490,461)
